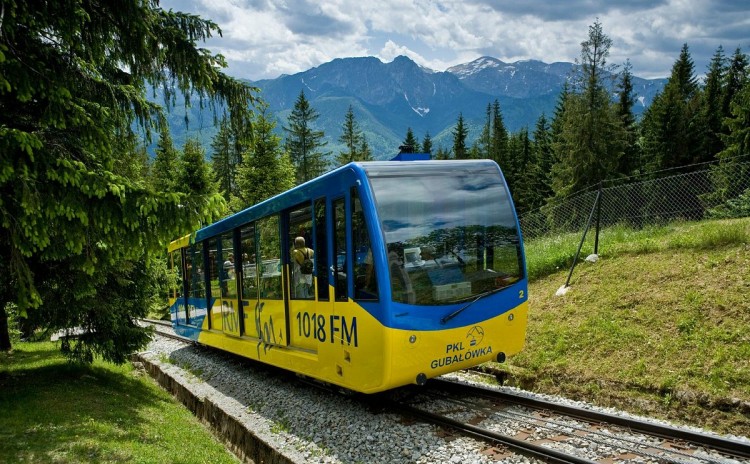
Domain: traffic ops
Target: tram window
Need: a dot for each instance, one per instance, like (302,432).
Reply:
(447,241)
(176,267)
(188,271)
(214,265)
(248,263)
(299,244)
(197,282)
(321,249)
(339,249)
(227,280)
(365,283)
(269,262)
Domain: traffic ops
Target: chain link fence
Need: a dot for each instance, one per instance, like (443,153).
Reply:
(717,190)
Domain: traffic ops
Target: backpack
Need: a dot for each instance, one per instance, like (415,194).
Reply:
(307,264)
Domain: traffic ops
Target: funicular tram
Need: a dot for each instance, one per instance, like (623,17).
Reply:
(418,270)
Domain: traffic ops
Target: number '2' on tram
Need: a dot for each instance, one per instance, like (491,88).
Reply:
(418,269)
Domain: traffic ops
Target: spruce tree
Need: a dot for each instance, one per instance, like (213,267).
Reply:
(499,145)
(629,162)
(266,170)
(365,154)
(304,143)
(734,159)
(165,164)
(195,176)
(227,146)
(484,144)
(460,133)
(426,143)
(76,231)
(671,127)
(351,137)
(736,78)
(442,153)
(711,112)
(520,154)
(592,139)
(410,143)
(223,162)
(738,124)
(538,176)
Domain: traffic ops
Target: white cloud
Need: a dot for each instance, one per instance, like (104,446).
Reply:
(265,38)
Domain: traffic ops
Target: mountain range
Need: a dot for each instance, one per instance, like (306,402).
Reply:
(389,98)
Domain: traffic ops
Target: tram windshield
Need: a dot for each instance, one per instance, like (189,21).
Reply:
(450,230)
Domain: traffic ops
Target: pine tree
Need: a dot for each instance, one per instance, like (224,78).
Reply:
(228,145)
(303,143)
(557,118)
(592,139)
(442,153)
(538,176)
(426,143)
(733,161)
(671,126)
(265,170)
(222,159)
(520,153)
(712,116)
(195,176)
(365,154)
(73,80)
(131,159)
(484,144)
(165,165)
(499,145)
(738,139)
(683,74)
(351,137)
(629,162)
(410,143)
(460,133)
(736,77)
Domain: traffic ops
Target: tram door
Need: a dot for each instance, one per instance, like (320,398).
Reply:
(353,275)
(227,278)
(303,252)
(267,320)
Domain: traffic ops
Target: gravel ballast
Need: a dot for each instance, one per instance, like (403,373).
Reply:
(272,418)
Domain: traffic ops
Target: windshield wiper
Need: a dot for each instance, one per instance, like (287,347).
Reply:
(455,313)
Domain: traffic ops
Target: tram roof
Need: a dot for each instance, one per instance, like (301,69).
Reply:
(301,193)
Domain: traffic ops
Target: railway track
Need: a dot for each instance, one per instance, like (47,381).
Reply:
(512,424)
(164,328)
(560,433)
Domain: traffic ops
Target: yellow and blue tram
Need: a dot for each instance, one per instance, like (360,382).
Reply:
(418,270)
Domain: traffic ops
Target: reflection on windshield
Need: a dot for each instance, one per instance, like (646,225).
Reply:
(450,231)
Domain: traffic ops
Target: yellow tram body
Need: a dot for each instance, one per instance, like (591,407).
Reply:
(362,343)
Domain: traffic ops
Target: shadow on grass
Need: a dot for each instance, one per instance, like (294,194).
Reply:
(63,412)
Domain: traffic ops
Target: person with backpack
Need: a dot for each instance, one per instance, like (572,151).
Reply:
(302,270)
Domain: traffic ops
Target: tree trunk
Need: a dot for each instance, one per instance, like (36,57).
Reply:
(4,333)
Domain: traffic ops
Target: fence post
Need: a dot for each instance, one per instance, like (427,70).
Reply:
(598,218)
(580,245)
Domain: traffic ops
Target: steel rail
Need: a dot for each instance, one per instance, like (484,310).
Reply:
(156,322)
(724,445)
(522,446)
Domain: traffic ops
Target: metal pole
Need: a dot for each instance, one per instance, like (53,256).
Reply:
(580,245)
(598,218)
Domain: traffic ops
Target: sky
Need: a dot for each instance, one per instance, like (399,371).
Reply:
(263,39)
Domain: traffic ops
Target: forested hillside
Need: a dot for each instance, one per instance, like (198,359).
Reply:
(85,212)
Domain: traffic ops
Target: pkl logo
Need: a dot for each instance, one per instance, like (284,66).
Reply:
(475,335)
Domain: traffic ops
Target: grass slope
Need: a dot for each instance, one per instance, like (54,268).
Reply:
(54,412)
(660,325)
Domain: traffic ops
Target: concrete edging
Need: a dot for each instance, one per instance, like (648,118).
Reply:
(243,442)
